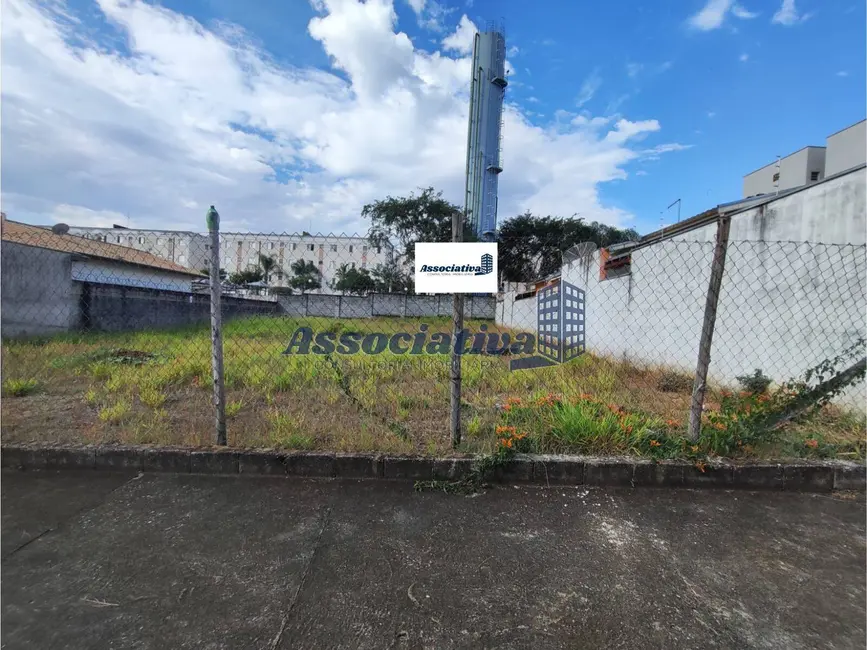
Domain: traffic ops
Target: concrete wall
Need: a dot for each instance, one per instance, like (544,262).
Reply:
(109,308)
(105,272)
(383,304)
(784,306)
(847,148)
(38,295)
(830,212)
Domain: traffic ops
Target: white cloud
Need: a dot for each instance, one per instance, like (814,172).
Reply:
(788,15)
(430,13)
(461,40)
(713,14)
(711,114)
(588,88)
(513,50)
(633,69)
(641,172)
(739,11)
(164,117)
(842,73)
(743,58)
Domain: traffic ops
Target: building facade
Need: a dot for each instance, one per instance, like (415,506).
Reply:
(844,150)
(241,251)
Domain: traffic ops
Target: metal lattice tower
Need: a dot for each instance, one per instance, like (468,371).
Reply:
(484,137)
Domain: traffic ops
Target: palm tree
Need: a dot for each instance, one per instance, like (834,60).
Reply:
(267,264)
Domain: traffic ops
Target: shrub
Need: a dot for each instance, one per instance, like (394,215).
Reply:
(115,413)
(756,383)
(674,382)
(19,387)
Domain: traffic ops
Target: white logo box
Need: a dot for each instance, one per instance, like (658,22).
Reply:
(456,268)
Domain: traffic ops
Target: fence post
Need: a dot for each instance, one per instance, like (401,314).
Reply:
(716,274)
(213,220)
(457,328)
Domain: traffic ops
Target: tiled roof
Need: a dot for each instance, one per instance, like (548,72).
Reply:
(21,233)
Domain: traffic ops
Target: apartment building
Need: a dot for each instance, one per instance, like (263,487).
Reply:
(241,251)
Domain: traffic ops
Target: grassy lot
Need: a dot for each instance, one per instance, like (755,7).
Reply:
(155,388)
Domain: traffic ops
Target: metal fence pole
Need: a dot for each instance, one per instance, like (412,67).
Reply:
(457,328)
(716,274)
(213,220)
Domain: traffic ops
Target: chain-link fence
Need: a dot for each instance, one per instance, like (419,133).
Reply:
(325,344)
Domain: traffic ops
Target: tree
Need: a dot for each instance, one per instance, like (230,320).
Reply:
(532,247)
(305,276)
(207,271)
(391,278)
(352,280)
(267,264)
(246,277)
(426,217)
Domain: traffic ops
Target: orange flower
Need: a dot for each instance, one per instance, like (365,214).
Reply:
(812,443)
(700,466)
(655,443)
(694,448)
(672,423)
(504,429)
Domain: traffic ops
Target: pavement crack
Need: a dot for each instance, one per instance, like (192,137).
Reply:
(70,517)
(316,546)
(27,543)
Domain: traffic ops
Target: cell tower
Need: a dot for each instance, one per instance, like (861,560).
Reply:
(484,137)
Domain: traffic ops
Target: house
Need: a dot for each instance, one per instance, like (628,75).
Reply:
(45,276)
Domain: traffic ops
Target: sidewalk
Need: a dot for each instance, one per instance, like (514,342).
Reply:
(172,561)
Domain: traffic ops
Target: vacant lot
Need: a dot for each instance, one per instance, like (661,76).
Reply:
(155,387)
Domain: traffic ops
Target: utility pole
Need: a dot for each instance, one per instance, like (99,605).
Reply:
(457,328)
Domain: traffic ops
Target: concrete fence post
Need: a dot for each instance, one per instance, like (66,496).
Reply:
(716,275)
(213,221)
(457,328)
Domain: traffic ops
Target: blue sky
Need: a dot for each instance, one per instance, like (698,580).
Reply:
(292,115)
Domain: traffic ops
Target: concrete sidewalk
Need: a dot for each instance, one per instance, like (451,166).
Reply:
(94,560)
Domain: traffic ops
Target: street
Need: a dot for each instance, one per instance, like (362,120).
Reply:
(99,560)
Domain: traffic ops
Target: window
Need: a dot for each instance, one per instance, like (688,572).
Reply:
(614,267)
(814,176)
(271,246)
(333,248)
(310,247)
(353,264)
(330,265)
(240,244)
(350,250)
(364,249)
(141,240)
(118,239)
(776,177)
(259,246)
(378,250)
(130,241)
(322,247)
(294,246)
(159,241)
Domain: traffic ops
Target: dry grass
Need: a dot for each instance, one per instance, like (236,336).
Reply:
(155,388)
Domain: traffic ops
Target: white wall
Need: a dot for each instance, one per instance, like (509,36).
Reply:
(794,171)
(784,306)
(847,148)
(129,275)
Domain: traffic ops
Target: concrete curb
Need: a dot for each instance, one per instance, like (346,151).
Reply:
(817,476)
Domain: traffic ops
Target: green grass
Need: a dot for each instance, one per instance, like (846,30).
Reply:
(155,386)
(19,387)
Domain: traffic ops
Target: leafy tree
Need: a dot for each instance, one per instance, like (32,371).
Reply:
(267,264)
(352,280)
(305,276)
(426,217)
(246,277)
(531,247)
(391,278)
(207,271)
